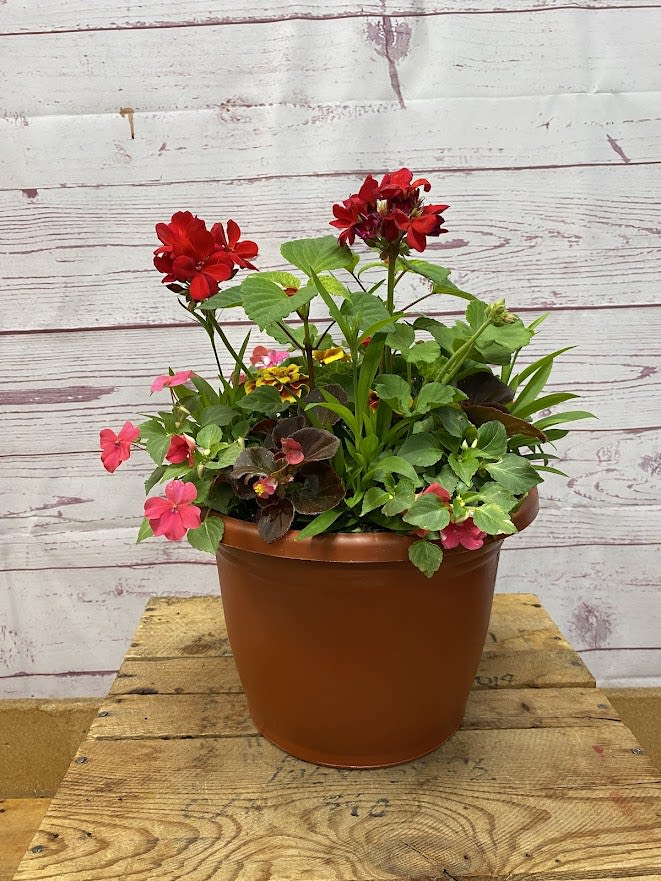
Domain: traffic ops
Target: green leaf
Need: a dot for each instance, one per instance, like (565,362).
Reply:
(394,465)
(395,391)
(428,512)
(543,403)
(264,399)
(560,418)
(436,274)
(426,352)
(144,532)
(494,492)
(403,498)
(209,436)
(432,395)
(402,337)
(320,524)
(492,439)
(515,382)
(228,456)
(265,302)
(318,254)
(370,364)
(208,394)
(375,497)
(493,520)
(421,449)
(154,478)
(476,314)
(514,473)
(464,464)
(228,298)
(426,556)
(157,441)
(208,535)
(217,414)
(453,420)
(369,313)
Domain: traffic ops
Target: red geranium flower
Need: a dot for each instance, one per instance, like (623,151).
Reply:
(173,515)
(239,252)
(190,253)
(418,226)
(116,448)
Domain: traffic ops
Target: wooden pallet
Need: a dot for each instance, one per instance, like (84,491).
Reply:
(541,782)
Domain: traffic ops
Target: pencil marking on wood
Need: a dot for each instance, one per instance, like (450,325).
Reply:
(617,149)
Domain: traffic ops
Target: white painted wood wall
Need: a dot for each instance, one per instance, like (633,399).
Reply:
(538,122)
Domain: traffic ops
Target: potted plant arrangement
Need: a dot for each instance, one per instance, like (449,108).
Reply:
(355,478)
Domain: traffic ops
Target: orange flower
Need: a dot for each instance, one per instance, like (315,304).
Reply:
(288,381)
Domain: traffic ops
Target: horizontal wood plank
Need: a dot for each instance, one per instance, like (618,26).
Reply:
(272,139)
(484,805)
(60,75)
(76,15)
(137,716)
(97,242)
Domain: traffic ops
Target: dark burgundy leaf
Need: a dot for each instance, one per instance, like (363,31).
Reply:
(316,443)
(254,460)
(479,413)
(485,388)
(316,488)
(274,520)
(286,427)
(264,427)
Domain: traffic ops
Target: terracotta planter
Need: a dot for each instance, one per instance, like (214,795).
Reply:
(348,655)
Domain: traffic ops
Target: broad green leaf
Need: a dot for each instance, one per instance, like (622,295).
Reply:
(464,464)
(432,395)
(208,535)
(264,399)
(436,274)
(209,436)
(514,473)
(403,498)
(402,337)
(228,456)
(320,524)
(394,465)
(144,532)
(395,391)
(493,520)
(316,255)
(157,441)
(492,439)
(175,472)
(426,556)
(208,394)
(154,478)
(375,497)
(425,352)
(229,298)
(421,450)
(453,420)
(494,492)
(476,314)
(428,512)
(217,414)
(265,302)
(369,312)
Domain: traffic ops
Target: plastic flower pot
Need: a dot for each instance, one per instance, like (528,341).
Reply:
(348,655)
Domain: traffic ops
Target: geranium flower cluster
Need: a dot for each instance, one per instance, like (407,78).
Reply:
(389,214)
(201,258)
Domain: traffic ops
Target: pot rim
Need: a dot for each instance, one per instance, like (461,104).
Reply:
(350,547)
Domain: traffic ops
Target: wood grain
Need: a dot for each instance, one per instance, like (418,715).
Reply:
(74,15)
(484,805)
(19,818)
(330,52)
(271,139)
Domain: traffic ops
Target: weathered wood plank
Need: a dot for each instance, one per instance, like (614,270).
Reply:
(272,139)
(74,15)
(484,805)
(19,819)
(183,715)
(98,241)
(60,75)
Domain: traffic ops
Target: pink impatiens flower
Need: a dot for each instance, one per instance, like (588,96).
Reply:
(293,451)
(116,448)
(464,533)
(181,449)
(166,380)
(175,514)
(263,357)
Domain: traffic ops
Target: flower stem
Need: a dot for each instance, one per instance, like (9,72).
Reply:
(221,333)
(390,305)
(305,317)
(452,367)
